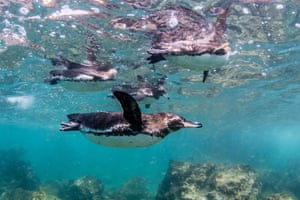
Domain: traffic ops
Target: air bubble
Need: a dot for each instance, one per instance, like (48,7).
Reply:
(246,11)
(52,34)
(24,10)
(264,74)
(279,6)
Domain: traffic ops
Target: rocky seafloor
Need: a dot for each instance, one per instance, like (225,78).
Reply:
(182,181)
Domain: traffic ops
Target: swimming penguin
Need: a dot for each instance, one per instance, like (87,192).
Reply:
(144,90)
(91,71)
(198,44)
(183,37)
(129,128)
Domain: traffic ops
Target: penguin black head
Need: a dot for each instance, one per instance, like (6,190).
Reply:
(55,76)
(57,73)
(176,122)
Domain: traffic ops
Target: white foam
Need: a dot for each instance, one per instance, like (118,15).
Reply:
(67,12)
(279,6)
(21,102)
(24,11)
(246,11)
(198,7)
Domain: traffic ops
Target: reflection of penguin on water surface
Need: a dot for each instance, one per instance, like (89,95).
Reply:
(197,44)
(129,128)
(144,89)
(183,37)
(92,71)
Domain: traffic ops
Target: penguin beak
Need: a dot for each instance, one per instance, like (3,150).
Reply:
(190,124)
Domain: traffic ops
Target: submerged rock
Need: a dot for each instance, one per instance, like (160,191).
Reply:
(16,173)
(20,193)
(236,182)
(282,184)
(91,185)
(91,188)
(86,187)
(187,181)
(83,188)
(134,189)
(281,196)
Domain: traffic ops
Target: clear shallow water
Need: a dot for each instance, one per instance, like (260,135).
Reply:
(249,108)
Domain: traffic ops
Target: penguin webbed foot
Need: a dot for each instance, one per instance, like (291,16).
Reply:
(69,126)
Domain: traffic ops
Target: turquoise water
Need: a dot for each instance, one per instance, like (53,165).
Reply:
(249,107)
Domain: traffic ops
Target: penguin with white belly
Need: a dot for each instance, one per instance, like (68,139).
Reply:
(129,128)
(145,90)
(92,70)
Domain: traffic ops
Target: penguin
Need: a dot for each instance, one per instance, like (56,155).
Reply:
(129,128)
(183,38)
(90,71)
(144,90)
(198,45)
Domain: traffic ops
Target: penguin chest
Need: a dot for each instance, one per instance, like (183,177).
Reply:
(139,140)
(83,77)
(119,135)
(198,62)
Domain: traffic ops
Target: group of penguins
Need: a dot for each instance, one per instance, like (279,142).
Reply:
(130,127)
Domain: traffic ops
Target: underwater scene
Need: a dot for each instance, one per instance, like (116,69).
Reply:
(150,100)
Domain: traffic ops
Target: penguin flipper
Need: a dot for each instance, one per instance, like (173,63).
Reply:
(221,21)
(131,109)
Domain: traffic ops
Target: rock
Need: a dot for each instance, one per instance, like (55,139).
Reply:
(188,181)
(86,187)
(282,184)
(281,196)
(236,182)
(20,193)
(16,173)
(134,189)
(90,184)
